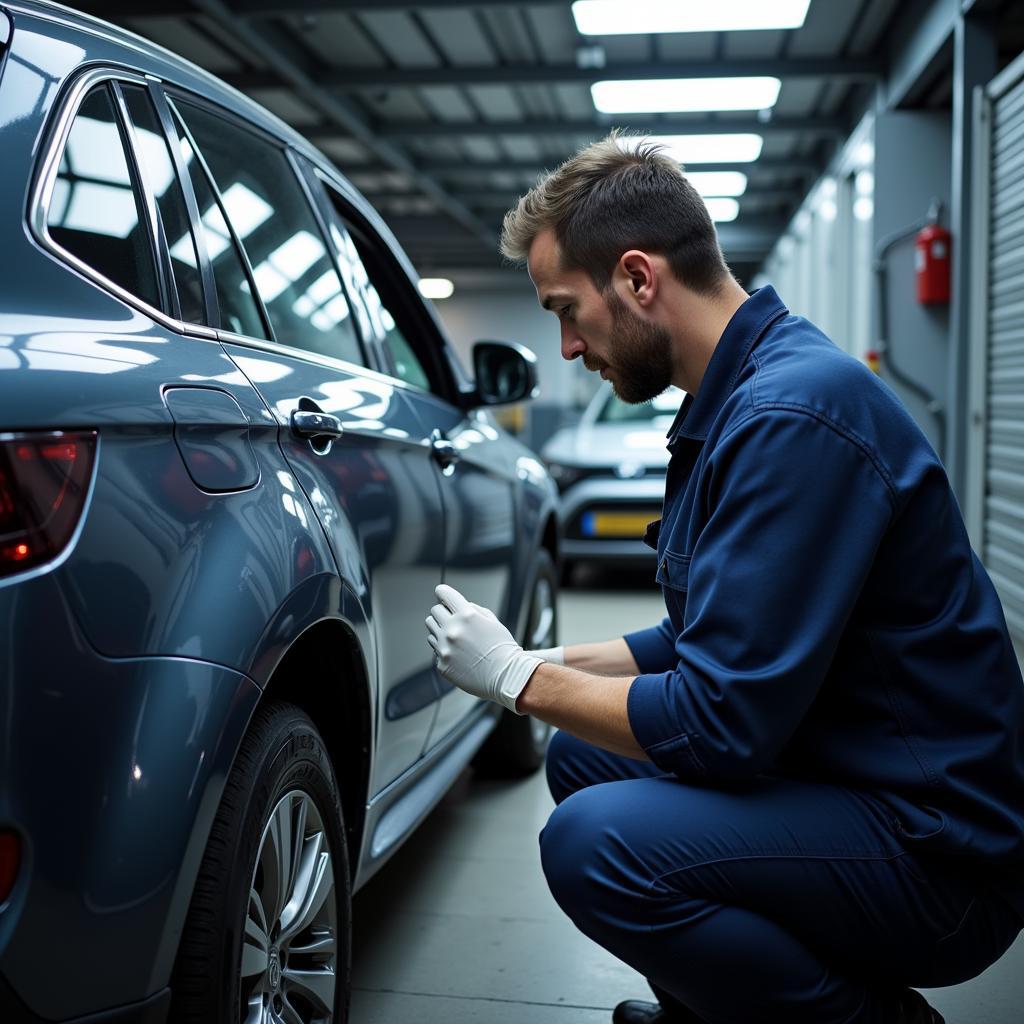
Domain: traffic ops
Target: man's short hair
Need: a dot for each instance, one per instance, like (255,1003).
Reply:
(618,194)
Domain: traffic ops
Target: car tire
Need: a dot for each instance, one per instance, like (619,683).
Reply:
(266,928)
(519,742)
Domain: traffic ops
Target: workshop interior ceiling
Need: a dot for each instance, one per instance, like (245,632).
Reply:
(442,112)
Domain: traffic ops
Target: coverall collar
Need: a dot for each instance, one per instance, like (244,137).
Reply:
(741,334)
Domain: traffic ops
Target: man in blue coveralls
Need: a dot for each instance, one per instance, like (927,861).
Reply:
(803,792)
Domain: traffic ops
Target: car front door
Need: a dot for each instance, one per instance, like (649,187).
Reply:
(474,471)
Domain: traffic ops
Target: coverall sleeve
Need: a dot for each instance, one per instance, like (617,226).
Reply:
(653,649)
(796,511)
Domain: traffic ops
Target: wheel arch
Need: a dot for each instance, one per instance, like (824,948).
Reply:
(324,673)
(551,538)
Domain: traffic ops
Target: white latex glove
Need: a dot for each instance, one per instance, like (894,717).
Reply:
(554,655)
(475,651)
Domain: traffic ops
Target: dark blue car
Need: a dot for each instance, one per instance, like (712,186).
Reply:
(236,456)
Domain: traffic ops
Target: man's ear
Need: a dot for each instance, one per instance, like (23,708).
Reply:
(638,276)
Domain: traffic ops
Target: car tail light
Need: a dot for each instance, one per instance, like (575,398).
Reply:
(44,479)
(10,861)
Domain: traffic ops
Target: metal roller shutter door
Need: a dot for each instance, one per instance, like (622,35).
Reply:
(1003,489)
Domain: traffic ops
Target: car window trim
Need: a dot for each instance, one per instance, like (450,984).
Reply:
(372,347)
(436,367)
(41,194)
(209,285)
(316,358)
(157,237)
(294,162)
(204,167)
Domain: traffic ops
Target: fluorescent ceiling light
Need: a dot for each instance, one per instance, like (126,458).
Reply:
(324,287)
(718,183)
(94,151)
(620,17)
(100,210)
(671,95)
(269,282)
(722,209)
(296,255)
(436,287)
(246,210)
(708,149)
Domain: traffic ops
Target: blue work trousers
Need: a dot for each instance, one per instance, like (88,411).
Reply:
(777,901)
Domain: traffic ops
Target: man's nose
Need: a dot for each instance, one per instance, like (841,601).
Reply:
(572,343)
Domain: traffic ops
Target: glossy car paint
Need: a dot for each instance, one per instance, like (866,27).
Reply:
(213,541)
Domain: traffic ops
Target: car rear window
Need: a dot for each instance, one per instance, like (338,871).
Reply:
(95,213)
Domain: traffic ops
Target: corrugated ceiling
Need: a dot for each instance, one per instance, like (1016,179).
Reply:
(482,95)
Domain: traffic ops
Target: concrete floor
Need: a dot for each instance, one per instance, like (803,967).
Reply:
(459,927)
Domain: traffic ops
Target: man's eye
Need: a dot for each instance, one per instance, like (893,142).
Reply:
(564,311)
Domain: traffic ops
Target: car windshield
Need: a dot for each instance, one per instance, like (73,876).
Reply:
(663,407)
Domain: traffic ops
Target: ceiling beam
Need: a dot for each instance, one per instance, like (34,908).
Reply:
(754,234)
(278,8)
(795,167)
(112,9)
(339,112)
(398,131)
(506,198)
(838,69)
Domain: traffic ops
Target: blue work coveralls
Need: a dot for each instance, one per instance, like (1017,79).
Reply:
(833,809)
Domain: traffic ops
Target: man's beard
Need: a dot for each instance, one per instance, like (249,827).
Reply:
(642,354)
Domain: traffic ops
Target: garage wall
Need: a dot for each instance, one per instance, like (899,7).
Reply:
(912,164)
(821,265)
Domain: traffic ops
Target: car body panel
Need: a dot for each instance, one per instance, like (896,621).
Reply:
(375,495)
(611,477)
(479,526)
(609,445)
(122,830)
(208,549)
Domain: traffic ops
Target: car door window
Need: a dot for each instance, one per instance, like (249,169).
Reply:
(271,215)
(158,169)
(378,308)
(239,311)
(95,212)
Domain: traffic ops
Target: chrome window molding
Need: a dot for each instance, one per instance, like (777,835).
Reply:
(42,194)
(318,359)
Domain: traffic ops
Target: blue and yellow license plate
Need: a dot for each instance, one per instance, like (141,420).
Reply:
(617,524)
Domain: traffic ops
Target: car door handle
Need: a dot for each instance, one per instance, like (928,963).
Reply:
(315,424)
(445,453)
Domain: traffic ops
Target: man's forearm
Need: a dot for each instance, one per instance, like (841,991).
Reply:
(605,658)
(591,707)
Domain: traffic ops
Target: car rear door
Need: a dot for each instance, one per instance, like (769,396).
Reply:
(351,441)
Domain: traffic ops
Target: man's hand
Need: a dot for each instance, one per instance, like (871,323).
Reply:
(475,651)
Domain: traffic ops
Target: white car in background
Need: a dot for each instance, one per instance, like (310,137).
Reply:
(610,472)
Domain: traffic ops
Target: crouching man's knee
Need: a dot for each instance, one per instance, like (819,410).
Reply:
(568,845)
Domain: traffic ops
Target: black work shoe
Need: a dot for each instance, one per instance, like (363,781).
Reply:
(637,1011)
(917,1011)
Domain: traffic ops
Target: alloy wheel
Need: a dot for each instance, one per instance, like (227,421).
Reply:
(290,950)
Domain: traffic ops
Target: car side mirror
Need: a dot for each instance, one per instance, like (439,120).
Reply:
(505,373)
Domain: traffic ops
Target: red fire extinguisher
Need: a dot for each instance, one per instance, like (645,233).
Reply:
(931,264)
